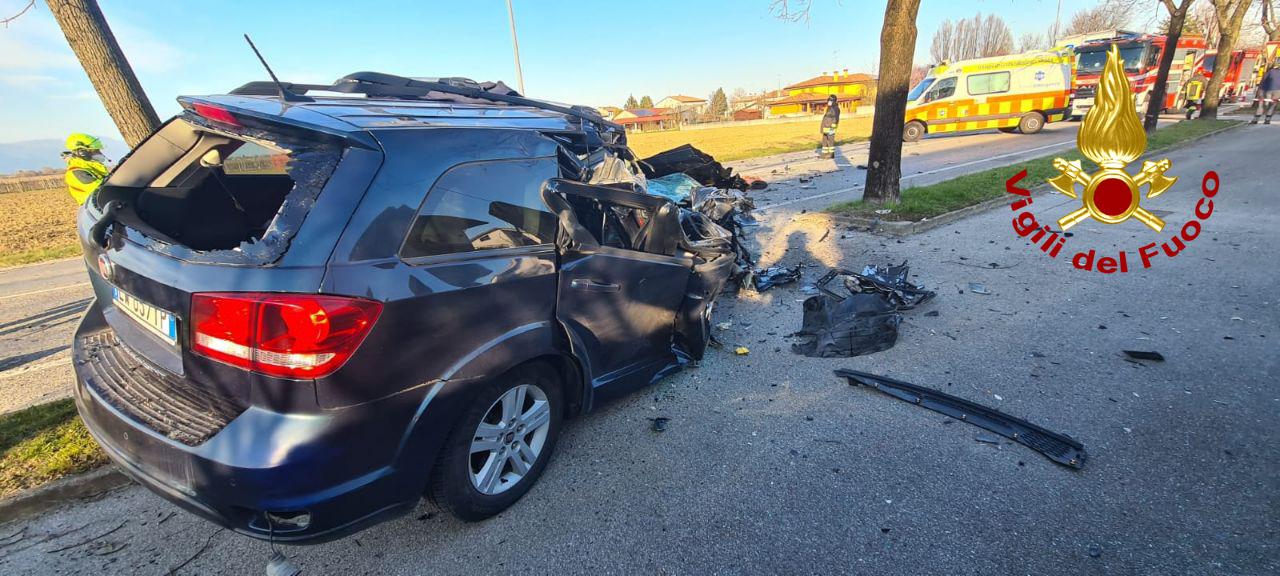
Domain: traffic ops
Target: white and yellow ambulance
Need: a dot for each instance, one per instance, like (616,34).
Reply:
(1020,92)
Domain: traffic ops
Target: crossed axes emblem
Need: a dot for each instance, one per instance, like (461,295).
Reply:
(1111,194)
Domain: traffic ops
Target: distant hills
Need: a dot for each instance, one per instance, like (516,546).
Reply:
(46,153)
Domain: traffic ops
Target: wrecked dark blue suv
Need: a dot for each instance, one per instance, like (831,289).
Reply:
(311,310)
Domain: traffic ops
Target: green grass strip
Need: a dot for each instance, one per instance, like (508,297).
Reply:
(919,202)
(43,443)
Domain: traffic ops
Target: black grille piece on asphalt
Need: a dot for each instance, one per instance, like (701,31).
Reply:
(160,401)
(1057,447)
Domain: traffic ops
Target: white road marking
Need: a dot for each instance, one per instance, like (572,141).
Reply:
(918,174)
(34,292)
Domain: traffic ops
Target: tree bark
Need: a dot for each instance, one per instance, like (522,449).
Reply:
(1177,17)
(1229,23)
(897,46)
(95,46)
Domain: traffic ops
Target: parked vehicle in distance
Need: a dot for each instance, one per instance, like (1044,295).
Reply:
(311,310)
(1241,77)
(1020,92)
(1141,54)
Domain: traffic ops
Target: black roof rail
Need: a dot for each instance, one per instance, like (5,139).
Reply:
(380,85)
(269,88)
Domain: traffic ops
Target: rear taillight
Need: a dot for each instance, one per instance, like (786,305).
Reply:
(216,113)
(286,335)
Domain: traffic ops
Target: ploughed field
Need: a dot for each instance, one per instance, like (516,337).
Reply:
(729,143)
(37,225)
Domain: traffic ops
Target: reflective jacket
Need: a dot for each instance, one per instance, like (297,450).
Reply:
(831,120)
(83,177)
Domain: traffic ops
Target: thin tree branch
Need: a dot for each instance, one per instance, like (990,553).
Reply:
(6,21)
(783,10)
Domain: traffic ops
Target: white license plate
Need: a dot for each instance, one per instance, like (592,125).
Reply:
(159,322)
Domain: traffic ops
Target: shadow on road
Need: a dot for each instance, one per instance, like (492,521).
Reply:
(46,318)
(22,359)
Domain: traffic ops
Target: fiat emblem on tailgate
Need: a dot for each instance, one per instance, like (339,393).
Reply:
(105,267)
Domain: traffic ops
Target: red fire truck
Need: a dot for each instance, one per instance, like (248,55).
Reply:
(1141,54)
(1241,77)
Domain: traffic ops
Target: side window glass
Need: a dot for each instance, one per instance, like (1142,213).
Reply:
(944,89)
(484,206)
(993,83)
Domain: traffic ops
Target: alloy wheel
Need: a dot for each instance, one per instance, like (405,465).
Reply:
(509,439)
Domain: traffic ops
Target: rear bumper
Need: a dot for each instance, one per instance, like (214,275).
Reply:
(343,468)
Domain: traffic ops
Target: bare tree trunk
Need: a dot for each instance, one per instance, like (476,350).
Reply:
(897,46)
(1177,17)
(90,38)
(1229,23)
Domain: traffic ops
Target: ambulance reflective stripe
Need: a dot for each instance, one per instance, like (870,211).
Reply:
(996,112)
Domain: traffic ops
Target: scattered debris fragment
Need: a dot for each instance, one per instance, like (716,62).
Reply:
(741,351)
(763,279)
(1057,447)
(887,281)
(860,319)
(857,325)
(1144,355)
(659,423)
(978,288)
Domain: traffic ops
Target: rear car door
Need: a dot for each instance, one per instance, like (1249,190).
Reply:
(620,287)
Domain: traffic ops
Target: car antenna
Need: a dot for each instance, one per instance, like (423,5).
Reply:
(285,94)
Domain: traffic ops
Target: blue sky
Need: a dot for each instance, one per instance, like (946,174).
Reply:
(578,52)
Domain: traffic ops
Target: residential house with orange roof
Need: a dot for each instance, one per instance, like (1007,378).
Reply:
(646,119)
(810,96)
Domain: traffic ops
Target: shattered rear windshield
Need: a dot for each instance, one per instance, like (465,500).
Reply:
(241,202)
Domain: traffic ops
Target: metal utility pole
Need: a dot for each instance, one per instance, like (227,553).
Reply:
(515,47)
(90,38)
(1057,19)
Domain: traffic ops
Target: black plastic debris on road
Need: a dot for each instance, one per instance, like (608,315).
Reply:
(857,325)
(888,281)
(1057,447)
(763,279)
(857,313)
(1144,355)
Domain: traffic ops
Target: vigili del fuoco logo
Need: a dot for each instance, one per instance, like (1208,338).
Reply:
(1112,137)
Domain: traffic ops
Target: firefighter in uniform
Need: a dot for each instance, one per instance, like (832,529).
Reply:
(1193,94)
(830,121)
(85,165)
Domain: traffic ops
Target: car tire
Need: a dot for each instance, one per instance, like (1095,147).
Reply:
(475,485)
(1031,123)
(913,131)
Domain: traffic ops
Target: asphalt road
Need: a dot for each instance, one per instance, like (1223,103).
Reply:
(771,465)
